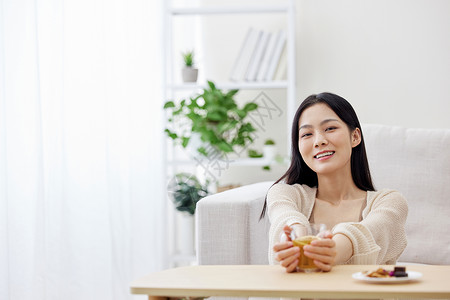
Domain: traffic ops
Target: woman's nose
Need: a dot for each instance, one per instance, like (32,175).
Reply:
(320,140)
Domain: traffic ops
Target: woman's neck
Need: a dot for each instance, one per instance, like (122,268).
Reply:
(337,188)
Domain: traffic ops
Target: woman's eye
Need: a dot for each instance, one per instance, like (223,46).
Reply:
(305,135)
(330,128)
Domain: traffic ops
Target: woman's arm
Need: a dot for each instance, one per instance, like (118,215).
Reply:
(368,241)
(284,207)
(380,237)
(344,248)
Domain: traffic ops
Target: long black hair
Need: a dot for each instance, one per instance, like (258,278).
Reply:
(299,172)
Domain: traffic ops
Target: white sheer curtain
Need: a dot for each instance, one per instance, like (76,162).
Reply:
(81,191)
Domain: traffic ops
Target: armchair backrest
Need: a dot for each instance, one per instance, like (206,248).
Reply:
(416,162)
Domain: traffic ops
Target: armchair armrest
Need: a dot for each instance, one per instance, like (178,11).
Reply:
(228,229)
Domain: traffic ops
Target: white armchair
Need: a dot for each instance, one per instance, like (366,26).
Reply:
(228,228)
(415,162)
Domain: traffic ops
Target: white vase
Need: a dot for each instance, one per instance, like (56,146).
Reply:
(185,237)
(189,74)
(269,152)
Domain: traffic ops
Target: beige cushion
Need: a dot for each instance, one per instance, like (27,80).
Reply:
(416,162)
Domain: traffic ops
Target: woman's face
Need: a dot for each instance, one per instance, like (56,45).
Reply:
(325,141)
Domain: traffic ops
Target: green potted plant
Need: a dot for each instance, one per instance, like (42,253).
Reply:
(269,149)
(189,72)
(186,190)
(213,119)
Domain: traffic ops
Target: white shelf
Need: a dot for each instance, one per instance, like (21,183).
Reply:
(180,162)
(255,162)
(229,10)
(173,88)
(233,162)
(282,84)
(251,162)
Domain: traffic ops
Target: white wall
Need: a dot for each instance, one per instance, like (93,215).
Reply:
(389,58)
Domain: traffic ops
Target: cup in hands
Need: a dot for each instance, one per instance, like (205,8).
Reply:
(313,232)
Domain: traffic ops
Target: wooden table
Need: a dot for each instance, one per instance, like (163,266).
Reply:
(273,281)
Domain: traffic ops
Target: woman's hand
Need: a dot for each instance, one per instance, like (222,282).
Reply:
(323,252)
(286,254)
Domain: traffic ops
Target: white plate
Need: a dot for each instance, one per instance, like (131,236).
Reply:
(412,275)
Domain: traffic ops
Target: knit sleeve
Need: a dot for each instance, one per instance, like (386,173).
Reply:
(380,237)
(283,208)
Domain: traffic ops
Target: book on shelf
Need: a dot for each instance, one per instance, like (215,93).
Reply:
(245,55)
(255,62)
(259,56)
(266,58)
(275,58)
(281,71)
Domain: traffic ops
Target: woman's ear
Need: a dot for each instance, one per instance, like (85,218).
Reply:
(356,137)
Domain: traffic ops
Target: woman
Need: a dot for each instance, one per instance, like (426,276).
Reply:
(329,182)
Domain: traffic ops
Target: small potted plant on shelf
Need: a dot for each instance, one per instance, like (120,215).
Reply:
(269,149)
(189,72)
(211,122)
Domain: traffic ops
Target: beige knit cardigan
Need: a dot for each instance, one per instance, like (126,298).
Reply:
(379,238)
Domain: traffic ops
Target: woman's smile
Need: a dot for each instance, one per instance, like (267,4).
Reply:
(323,155)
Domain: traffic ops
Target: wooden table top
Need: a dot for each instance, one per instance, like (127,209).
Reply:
(273,281)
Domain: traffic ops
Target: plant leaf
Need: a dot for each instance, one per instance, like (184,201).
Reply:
(169,104)
(254,154)
(225,147)
(178,111)
(231,93)
(239,141)
(208,135)
(241,113)
(202,150)
(215,116)
(185,141)
(171,134)
(226,126)
(250,106)
(211,85)
(193,104)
